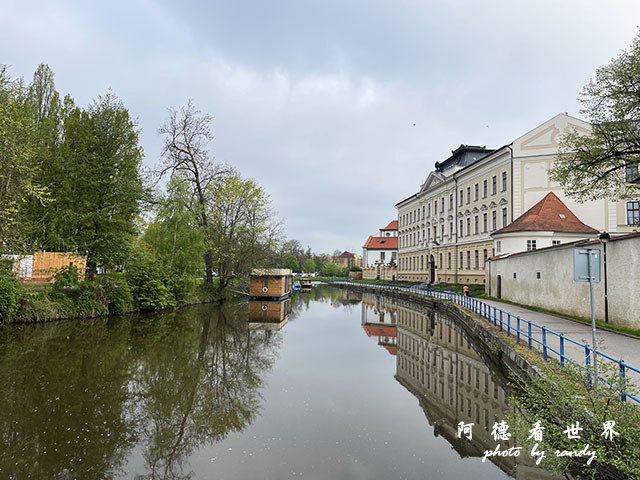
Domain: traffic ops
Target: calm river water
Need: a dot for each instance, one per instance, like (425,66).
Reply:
(354,386)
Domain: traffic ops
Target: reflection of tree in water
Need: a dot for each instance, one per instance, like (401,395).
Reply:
(195,387)
(62,390)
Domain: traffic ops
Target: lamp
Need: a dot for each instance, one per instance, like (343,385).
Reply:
(604,238)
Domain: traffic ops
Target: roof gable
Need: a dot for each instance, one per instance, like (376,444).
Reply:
(548,215)
(432,181)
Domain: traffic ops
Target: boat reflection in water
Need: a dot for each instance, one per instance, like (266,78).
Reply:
(436,362)
(269,314)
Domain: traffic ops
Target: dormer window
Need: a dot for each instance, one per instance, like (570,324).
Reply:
(562,216)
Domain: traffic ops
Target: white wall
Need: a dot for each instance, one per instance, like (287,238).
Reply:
(556,290)
(517,241)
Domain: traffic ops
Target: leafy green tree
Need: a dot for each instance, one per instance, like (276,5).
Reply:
(601,165)
(100,199)
(19,172)
(242,233)
(290,261)
(176,239)
(309,266)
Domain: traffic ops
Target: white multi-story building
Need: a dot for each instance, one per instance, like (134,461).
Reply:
(382,248)
(444,230)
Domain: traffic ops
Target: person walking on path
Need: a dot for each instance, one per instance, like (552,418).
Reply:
(466,290)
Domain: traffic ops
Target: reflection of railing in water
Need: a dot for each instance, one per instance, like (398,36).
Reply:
(436,362)
(525,331)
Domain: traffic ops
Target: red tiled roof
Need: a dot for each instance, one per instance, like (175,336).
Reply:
(547,215)
(347,255)
(392,349)
(381,243)
(393,225)
(380,330)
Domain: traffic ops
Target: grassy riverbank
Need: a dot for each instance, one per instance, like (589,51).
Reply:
(138,290)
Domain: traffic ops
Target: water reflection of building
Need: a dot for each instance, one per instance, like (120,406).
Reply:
(379,320)
(269,315)
(437,363)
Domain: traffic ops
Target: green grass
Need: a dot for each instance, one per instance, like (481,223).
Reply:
(600,323)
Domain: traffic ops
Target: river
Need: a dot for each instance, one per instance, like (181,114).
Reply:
(352,386)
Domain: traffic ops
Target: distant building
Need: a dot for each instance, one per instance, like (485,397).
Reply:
(444,230)
(382,248)
(348,260)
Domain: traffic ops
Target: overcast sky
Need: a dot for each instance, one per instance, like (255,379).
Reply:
(338,108)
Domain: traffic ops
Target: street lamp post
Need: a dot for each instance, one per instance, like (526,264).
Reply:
(604,238)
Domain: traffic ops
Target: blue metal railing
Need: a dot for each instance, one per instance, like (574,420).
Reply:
(546,342)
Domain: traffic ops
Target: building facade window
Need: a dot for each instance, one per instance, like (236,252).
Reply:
(468,226)
(468,194)
(440,264)
(531,245)
(555,242)
(435,234)
(504,217)
(475,224)
(442,205)
(477,260)
(451,230)
(504,181)
(498,246)
(382,256)
(460,231)
(461,260)
(484,223)
(633,213)
(461,197)
(451,201)
(494,185)
(494,220)
(422,212)
(435,207)
(475,192)
(484,254)
(631,172)
(442,231)
(468,259)
(484,188)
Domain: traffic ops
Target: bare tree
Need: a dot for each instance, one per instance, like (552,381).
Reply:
(187,134)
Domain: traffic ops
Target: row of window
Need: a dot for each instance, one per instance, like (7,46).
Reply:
(413,239)
(421,262)
(420,213)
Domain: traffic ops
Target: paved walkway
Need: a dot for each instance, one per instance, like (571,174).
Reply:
(617,345)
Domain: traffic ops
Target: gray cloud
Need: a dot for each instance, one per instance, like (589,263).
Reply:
(318,100)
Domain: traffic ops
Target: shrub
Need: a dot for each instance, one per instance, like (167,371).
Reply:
(147,282)
(9,294)
(117,292)
(67,276)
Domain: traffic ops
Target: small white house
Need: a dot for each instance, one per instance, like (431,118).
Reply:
(382,248)
(549,222)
